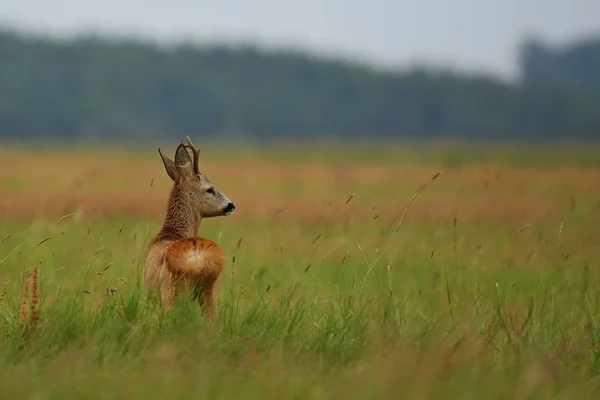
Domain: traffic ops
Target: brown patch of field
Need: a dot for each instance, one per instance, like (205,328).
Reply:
(136,204)
(53,185)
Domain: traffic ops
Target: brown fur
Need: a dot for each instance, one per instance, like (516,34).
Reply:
(194,265)
(177,261)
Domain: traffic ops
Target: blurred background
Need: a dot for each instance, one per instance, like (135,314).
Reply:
(273,70)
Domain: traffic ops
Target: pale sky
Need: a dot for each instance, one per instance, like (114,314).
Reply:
(480,35)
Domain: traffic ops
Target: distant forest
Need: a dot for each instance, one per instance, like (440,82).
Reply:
(95,88)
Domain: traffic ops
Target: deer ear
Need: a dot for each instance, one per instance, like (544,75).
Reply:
(169,167)
(183,161)
(190,153)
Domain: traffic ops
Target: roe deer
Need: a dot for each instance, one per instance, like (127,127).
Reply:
(176,259)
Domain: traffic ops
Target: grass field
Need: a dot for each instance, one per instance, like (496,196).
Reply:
(488,283)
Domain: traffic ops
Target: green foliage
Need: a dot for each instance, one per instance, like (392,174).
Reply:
(94,88)
(576,65)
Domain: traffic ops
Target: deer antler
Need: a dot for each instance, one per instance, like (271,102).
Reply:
(196,151)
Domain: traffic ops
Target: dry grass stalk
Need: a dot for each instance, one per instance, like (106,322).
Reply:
(24,303)
(448,354)
(3,293)
(35,312)
(402,213)
(487,334)
(524,227)
(30,313)
(504,324)
(508,322)
(521,328)
(67,216)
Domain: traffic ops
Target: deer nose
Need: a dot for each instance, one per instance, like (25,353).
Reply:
(229,208)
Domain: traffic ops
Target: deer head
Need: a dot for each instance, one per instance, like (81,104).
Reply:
(193,185)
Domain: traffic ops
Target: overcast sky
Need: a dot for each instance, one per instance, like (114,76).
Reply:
(465,34)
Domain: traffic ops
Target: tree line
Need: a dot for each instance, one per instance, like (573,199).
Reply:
(95,88)
(576,65)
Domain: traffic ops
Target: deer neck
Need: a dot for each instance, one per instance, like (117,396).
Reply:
(182,218)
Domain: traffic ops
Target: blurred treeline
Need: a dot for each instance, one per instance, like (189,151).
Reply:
(106,89)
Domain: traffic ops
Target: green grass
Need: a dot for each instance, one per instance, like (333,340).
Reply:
(342,308)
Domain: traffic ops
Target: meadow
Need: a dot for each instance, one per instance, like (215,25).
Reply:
(374,271)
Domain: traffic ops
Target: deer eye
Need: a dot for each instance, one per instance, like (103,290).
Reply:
(210,190)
